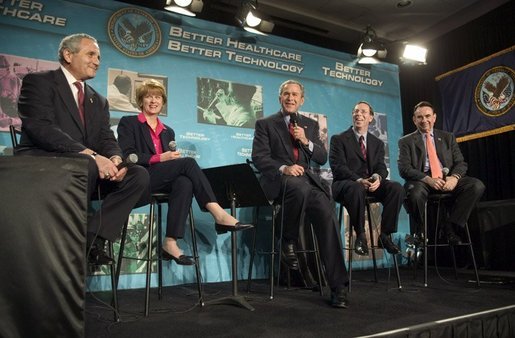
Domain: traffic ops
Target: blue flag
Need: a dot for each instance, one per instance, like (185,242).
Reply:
(478,99)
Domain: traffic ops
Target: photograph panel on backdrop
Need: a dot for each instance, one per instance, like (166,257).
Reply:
(13,69)
(228,103)
(121,89)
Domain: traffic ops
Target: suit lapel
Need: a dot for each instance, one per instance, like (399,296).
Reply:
(89,102)
(67,96)
(284,135)
(439,146)
(371,150)
(143,127)
(165,139)
(421,149)
(351,139)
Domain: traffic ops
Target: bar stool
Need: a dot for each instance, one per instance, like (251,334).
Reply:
(276,250)
(156,199)
(437,199)
(369,200)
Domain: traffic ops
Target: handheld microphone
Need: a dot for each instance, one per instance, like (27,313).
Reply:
(445,172)
(130,160)
(373,178)
(293,119)
(172,146)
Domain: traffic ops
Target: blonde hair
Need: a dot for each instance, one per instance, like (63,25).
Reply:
(150,86)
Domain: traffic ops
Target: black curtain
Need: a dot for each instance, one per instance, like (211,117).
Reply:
(492,158)
(43,208)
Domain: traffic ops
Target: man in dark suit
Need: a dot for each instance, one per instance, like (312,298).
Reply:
(445,174)
(359,169)
(282,152)
(63,116)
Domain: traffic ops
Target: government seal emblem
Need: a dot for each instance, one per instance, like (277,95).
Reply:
(494,91)
(134,32)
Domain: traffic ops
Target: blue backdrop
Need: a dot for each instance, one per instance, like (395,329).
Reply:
(190,55)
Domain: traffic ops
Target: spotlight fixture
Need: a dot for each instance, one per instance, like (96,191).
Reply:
(370,49)
(184,7)
(414,54)
(251,20)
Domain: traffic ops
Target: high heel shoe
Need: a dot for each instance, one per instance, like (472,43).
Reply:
(181,260)
(222,228)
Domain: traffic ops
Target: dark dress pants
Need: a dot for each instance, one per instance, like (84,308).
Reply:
(352,195)
(302,198)
(182,178)
(118,199)
(467,193)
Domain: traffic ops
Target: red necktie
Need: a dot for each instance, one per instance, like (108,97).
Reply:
(80,96)
(434,163)
(362,146)
(294,142)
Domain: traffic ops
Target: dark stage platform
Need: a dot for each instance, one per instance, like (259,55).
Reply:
(446,308)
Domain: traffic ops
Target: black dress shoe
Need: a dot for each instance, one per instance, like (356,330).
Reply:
(181,260)
(386,242)
(453,239)
(289,256)
(339,298)
(360,245)
(222,228)
(97,256)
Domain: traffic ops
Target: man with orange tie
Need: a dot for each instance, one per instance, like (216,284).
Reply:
(430,161)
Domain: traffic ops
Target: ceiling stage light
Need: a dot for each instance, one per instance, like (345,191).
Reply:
(414,54)
(184,7)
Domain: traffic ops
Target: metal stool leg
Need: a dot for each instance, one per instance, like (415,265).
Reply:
(273,252)
(349,248)
(318,261)
(397,273)
(425,244)
(159,253)
(149,255)
(196,257)
(472,254)
(114,283)
(280,244)
(251,261)
(372,244)
(118,268)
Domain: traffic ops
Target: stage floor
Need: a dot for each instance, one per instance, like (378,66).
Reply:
(374,308)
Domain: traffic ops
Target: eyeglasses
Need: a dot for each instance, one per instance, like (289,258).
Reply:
(362,111)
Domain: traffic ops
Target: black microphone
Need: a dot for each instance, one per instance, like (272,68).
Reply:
(172,146)
(293,119)
(373,178)
(130,160)
(445,172)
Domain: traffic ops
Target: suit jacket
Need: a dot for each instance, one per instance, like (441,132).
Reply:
(51,121)
(347,161)
(412,155)
(134,138)
(272,148)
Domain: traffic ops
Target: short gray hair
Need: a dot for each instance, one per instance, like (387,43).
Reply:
(288,82)
(71,43)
